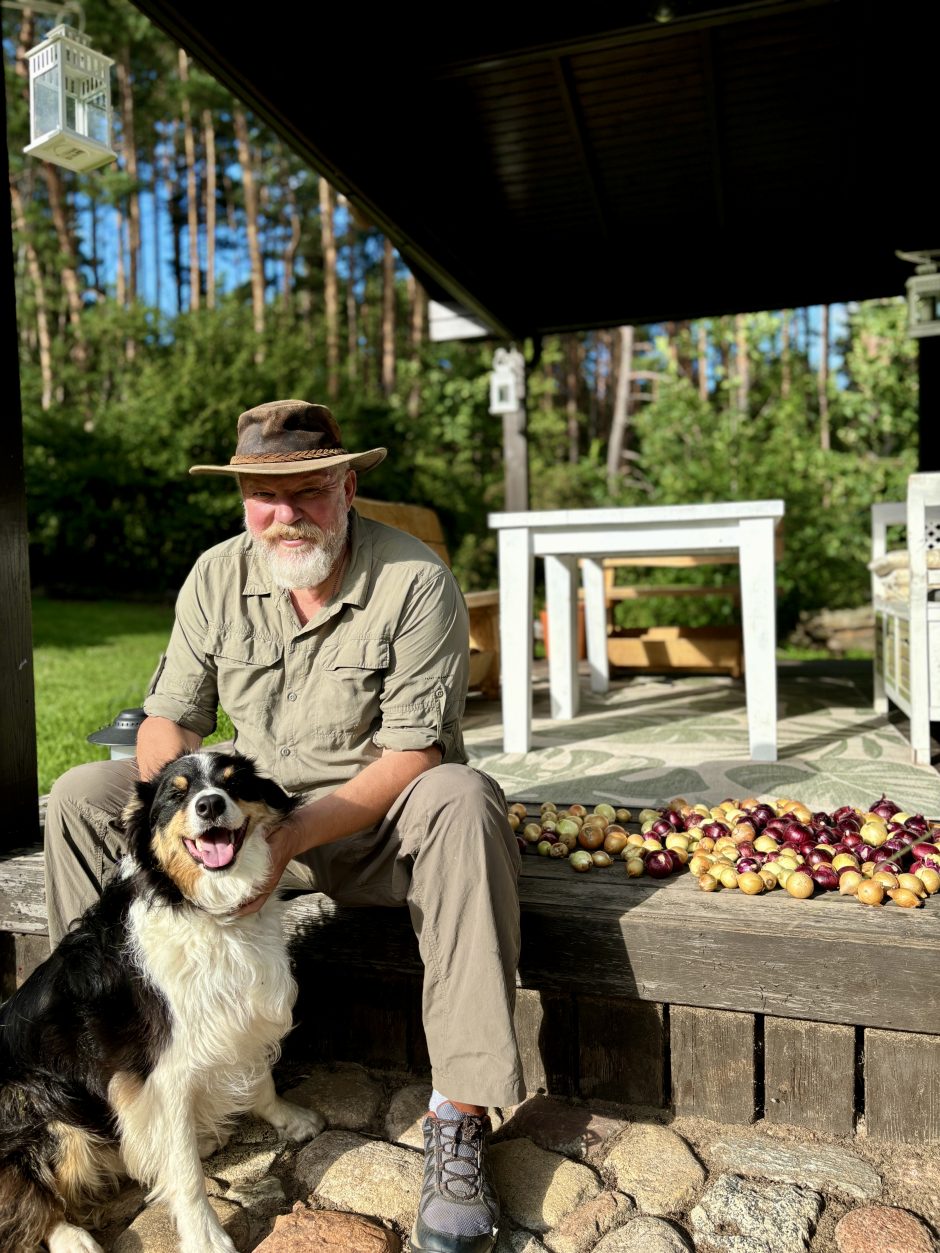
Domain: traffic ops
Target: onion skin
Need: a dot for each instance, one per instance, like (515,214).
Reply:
(659,865)
(635,868)
(559,849)
(849,882)
(930,878)
(581,860)
(907,900)
(825,877)
(870,892)
(799,884)
(751,884)
(600,858)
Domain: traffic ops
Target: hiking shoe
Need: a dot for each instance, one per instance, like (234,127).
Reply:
(459,1210)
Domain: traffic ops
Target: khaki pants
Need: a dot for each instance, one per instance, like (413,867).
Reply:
(445,850)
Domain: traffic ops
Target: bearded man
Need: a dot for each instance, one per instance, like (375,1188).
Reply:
(339,649)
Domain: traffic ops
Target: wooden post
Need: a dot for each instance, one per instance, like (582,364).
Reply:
(19,792)
(516,461)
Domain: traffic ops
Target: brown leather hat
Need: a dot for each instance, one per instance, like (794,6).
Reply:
(290,437)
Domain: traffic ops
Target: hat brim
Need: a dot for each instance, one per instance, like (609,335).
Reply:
(361,461)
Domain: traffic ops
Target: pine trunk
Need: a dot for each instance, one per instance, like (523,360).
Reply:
(620,421)
(330,287)
(822,381)
(388,318)
(66,241)
(173,209)
(129,147)
(742,363)
(785,367)
(251,224)
(120,258)
(192,195)
(702,358)
(419,314)
(43,337)
(293,243)
(572,380)
(208,143)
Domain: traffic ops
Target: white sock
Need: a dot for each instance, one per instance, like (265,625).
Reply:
(436,1099)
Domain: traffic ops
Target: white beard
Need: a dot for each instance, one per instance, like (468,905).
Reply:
(303,567)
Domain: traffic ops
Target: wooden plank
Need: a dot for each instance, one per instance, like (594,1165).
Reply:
(809,1075)
(713,1064)
(621,1050)
(23,892)
(902,1086)
(546,1036)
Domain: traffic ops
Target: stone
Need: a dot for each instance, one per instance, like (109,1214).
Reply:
(562,1127)
(264,1198)
(347,1097)
(882,1229)
(241,1164)
(581,1228)
(656,1167)
(825,1166)
(644,1235)
(154,1231)
(365,1176)
(919,1182)
(743,1216)
(539,1189)
(406,1112)
(327,1231)
(122,1209)
(512,1240)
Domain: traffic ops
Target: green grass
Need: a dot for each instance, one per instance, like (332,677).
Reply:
(92,660)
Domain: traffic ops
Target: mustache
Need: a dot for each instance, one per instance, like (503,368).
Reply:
(295,530)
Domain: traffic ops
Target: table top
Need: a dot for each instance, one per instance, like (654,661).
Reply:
(645,515)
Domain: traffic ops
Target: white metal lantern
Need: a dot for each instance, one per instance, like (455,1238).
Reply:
(507,381)
(923,294)
(70,101)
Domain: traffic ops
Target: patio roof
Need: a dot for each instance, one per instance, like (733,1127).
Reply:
(595,165)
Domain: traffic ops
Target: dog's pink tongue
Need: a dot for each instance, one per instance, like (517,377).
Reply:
(216,850)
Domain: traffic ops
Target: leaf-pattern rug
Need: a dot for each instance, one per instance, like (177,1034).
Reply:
(648,740)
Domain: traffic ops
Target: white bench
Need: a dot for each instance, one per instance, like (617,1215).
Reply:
(907,620)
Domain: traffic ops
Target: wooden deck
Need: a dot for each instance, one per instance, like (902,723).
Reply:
(817,1013)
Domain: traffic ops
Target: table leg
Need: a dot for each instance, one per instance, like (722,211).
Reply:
(759,624)
(516,576)
(595,623)
(561,595)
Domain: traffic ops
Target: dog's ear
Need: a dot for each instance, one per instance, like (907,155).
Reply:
(135,817)
(275,797)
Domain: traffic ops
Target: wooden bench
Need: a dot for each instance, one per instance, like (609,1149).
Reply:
(817,1013)
(483,607)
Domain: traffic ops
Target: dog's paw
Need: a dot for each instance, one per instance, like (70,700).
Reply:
(211,1242)
(67,1238)
(211,1143)
(294,1121)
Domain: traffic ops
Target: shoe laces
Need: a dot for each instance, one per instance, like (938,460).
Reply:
(459,1144)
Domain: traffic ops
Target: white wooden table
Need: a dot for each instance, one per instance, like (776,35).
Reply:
(742,529)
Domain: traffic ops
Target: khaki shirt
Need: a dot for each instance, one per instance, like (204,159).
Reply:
(383,665)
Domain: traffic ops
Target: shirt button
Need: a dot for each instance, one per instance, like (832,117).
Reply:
(291,695)
(285,752)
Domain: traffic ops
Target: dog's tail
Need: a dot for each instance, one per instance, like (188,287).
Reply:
(29,1201)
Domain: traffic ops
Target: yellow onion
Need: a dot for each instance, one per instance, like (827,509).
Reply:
(799,884)
(904,898)
(870,892)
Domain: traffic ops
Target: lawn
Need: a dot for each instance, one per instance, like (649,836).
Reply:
(92,660)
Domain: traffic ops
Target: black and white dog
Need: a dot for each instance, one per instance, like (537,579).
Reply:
(155,1021)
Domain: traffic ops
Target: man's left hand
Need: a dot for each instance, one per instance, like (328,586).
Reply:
(282,842)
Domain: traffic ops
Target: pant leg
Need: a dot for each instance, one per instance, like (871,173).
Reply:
(447,851)
(82,837)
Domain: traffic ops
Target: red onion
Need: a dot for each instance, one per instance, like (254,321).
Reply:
(798,831)
(819,856)
(745,848)
(851,839)
(819,819)
(659,864)
(662,827)
(918,823)
(745,864)
(675,818)
(929,854)
(884,808)
(763,814)
(825,876)
(849,823)
(715,830)
(825,836)
(845,811)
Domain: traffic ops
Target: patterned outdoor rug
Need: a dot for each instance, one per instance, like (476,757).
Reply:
(648,740)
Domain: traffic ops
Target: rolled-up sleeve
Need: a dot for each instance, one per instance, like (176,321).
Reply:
(425,685)
(184,687)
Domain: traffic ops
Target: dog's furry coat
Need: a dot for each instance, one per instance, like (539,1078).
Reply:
(155,1021)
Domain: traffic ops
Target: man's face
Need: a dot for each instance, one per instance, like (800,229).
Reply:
(298,522)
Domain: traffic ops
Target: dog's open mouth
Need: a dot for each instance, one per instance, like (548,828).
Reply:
(217,847)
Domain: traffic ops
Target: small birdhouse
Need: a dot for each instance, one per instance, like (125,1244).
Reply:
(507,381)
(69,101)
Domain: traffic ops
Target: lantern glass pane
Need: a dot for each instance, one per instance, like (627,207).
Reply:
(45,102)
(96,119)
(71,111)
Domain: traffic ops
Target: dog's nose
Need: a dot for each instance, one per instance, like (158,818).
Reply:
(210,807)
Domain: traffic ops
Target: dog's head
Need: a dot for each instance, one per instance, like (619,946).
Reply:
(197,831)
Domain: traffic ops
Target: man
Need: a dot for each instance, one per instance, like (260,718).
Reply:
(339,649)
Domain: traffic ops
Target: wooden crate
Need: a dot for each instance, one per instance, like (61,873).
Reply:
(669,648)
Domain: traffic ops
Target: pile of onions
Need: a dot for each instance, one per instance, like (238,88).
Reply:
(877,854)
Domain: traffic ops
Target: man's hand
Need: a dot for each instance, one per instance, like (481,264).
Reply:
(158,741)
(356,806)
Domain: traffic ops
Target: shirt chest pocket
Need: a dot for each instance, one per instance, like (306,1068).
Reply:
(354,673)
(250,674)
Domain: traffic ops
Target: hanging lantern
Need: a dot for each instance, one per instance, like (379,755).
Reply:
(923,294)
(507,381)
(70,101)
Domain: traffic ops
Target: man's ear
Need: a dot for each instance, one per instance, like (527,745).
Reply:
(349,487)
